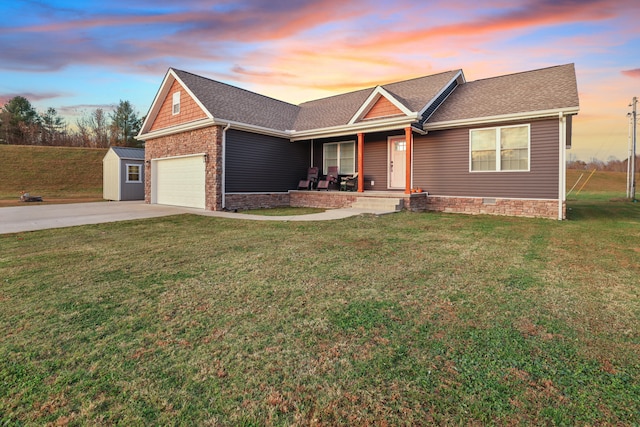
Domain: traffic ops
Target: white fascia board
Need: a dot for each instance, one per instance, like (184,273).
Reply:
(368,126)
(198,124)
(155,105)
(253,128)
(372,99)
(162,93)
(501,118)
(458,75)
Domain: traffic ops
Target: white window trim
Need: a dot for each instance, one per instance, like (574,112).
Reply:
(498,160)
(175,103)
(126,170)
(338,144)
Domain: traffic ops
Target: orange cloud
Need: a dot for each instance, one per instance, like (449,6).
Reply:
(635,73)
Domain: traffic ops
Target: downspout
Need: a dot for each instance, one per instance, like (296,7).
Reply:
(224,164)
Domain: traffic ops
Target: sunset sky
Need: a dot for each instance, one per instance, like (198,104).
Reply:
(76,56)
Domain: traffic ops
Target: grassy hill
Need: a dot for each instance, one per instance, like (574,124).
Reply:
(57,173)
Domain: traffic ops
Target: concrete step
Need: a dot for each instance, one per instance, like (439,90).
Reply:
(379,203)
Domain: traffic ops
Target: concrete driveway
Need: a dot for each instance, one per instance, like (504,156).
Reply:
(41,217)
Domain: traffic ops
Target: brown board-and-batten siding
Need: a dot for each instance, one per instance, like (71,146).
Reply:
(441,166)
(260,163)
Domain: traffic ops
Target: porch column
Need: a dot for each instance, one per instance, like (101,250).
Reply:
(360,162)
(408,135)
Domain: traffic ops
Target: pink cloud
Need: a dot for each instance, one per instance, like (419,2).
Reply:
(532,14)
(635,73)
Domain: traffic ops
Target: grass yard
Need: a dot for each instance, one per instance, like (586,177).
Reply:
(406,319)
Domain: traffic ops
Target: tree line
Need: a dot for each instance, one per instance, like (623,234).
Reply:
(612,164)
(21,124)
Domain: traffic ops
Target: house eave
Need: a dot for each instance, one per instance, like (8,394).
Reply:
(184,127)
(202,123)
(500,118)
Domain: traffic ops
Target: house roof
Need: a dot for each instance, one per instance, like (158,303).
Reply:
(129,153)
(546,90)
(552,88)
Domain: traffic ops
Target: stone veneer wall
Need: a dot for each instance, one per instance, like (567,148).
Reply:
(416,202)
(495,206)
(322,199)
(208,141)
(235,201)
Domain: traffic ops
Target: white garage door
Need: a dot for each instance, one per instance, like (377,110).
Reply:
(180,182)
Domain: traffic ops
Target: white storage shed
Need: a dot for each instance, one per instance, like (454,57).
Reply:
(123,174)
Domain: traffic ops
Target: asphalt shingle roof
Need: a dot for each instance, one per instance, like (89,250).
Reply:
(537,90)
(239,105)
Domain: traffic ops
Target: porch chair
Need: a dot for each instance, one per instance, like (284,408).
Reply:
(331,178)
(349,183)
(312,179)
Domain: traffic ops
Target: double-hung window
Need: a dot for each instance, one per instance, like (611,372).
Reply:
(505,148)
(134,173)
(340,154)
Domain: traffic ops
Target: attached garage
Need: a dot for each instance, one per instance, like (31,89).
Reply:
(179,181)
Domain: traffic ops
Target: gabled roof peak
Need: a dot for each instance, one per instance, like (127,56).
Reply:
(178,72)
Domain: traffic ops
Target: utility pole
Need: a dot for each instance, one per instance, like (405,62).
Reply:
(634,118)
(629,158)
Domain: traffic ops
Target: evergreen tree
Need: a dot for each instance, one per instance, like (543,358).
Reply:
(125,125)
(20,122)
(52,128)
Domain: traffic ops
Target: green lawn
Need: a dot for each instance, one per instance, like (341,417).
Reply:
(400,319)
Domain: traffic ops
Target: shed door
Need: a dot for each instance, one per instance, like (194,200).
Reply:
(181,182)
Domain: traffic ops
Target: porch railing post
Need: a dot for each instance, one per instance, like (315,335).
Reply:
(360,162)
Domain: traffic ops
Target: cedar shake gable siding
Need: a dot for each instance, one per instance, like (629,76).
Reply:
(189,109)
(538,90)
(382,108)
